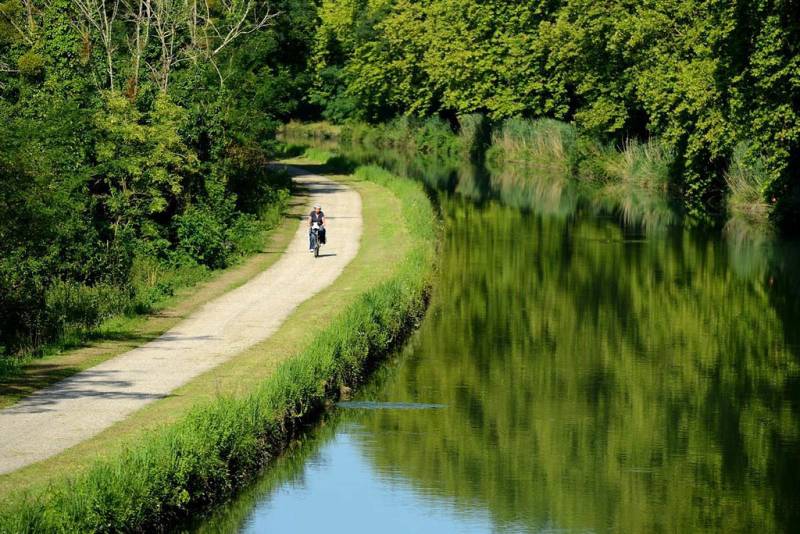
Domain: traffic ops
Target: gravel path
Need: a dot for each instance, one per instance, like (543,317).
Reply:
(81,406)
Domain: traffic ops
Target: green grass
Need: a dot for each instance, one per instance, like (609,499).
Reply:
(212,449)
(319,155)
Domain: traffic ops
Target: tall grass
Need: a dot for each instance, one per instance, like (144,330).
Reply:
(635,182)
(540,164)
(748,210)
(73,312)
(546,164)
(474,135)
(532,164)
(408,134)
(319,131)
(546,146)
(212,451)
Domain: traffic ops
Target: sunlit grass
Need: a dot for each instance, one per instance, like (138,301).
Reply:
(545,146)
(425,136)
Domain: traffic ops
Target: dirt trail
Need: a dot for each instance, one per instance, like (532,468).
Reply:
(75,409)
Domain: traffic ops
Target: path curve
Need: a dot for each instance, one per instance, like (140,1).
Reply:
(83,405)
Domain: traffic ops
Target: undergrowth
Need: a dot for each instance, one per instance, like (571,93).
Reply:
(72,312)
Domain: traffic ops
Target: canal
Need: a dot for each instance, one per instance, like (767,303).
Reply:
(573,374)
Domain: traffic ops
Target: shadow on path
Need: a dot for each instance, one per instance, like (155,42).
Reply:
(86,384)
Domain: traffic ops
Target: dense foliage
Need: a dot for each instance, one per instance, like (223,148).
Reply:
(134,140)
(711,79)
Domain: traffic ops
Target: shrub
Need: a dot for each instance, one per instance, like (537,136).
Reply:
(435,136)
(203,236)
(31,64)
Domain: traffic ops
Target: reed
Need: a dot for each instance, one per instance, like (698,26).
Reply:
(546,146)
(748,210)
(474,135)
(408,134)
(635,183)
(320,131)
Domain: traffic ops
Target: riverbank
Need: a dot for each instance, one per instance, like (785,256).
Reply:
(153,475)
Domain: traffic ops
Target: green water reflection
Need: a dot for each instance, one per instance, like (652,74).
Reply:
(597,380)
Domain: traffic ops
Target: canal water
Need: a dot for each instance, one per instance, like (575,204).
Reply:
(573,374)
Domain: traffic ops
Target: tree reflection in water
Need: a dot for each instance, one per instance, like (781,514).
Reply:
(599,380)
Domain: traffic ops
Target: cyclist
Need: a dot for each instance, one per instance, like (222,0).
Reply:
(316,216)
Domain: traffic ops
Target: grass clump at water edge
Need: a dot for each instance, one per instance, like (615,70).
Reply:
(748,210)
(635,183)
(210,453)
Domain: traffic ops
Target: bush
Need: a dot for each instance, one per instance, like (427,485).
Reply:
(203,236)
(31,64)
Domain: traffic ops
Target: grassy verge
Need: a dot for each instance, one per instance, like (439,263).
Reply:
(208,450)
(81,350)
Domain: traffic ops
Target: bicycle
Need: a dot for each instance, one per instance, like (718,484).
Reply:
(315,244)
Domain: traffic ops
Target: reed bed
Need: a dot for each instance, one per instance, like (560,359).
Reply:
(319,131)
(203,459)
(546,146)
